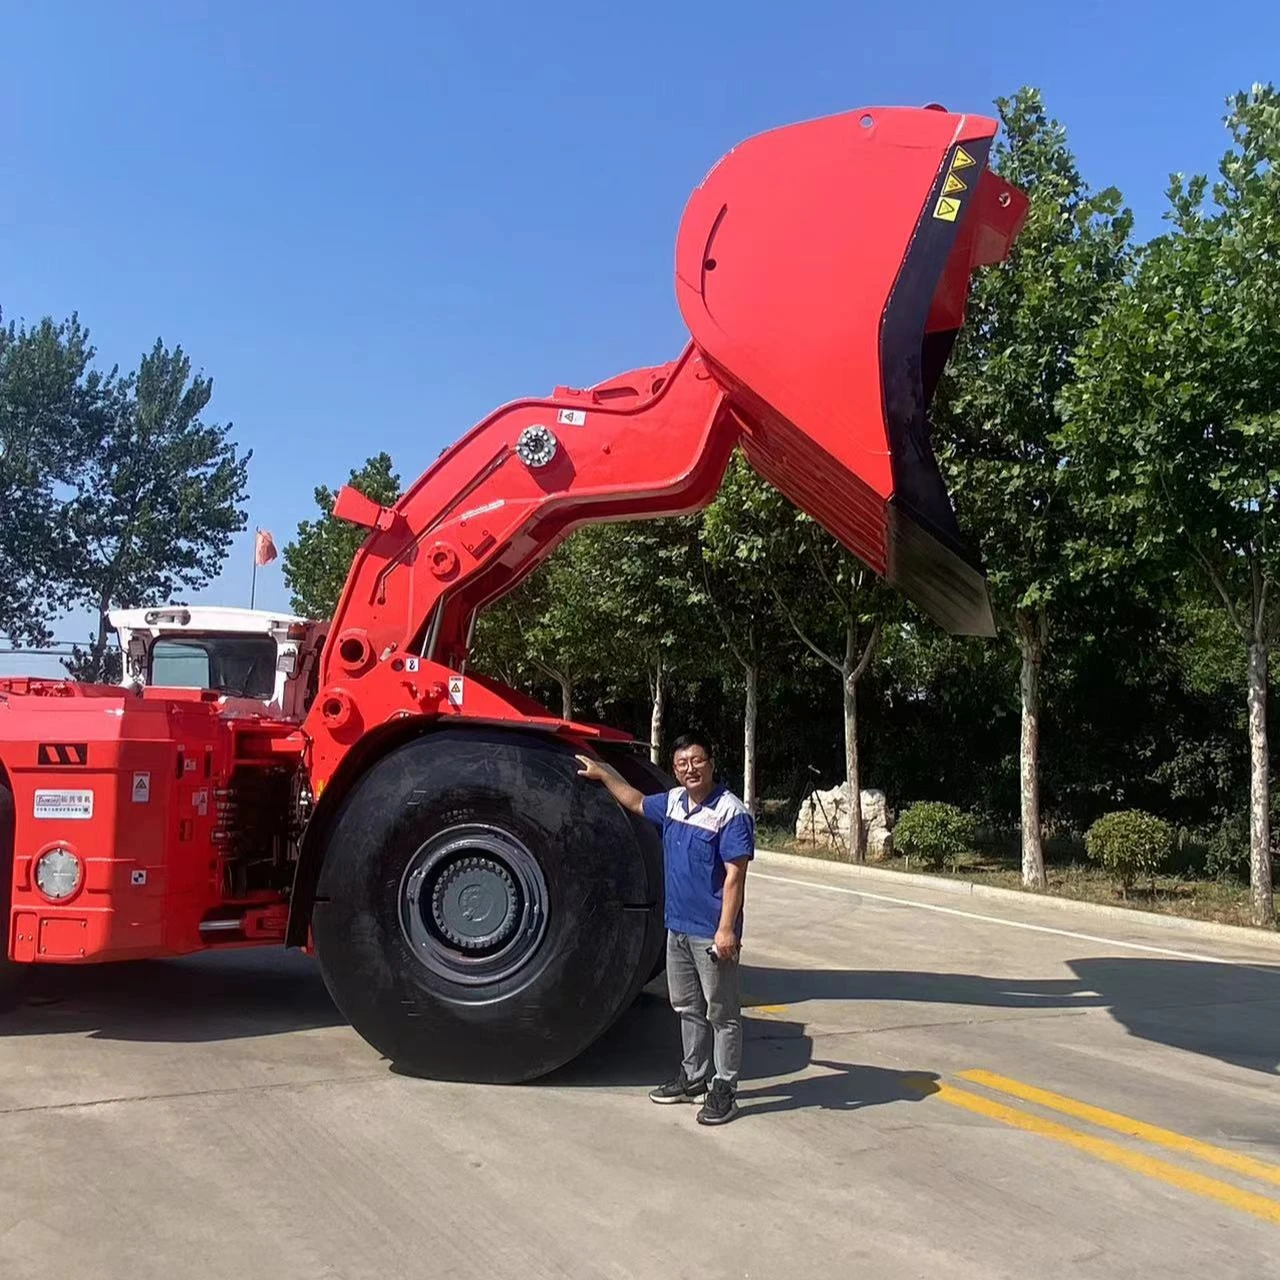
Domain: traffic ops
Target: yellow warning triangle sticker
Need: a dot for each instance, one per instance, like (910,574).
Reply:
(946,208)
(963,159)
(953,185)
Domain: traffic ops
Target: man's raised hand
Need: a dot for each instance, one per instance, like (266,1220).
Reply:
(592,769)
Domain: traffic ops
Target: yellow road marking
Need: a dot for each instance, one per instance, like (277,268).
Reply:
(1159,1170)
(1237,1162)
(768,1009)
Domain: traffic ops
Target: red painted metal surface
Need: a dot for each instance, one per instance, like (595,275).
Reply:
(821,270)
(796,256)
(142,802)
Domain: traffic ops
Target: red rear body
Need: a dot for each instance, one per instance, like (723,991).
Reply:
(149,792)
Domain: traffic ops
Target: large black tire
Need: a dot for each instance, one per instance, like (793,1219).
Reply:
(645,776)
(10,973)
(436,851)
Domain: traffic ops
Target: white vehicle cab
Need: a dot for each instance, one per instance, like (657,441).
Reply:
(258,661)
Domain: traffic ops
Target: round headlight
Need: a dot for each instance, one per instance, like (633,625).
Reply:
(58,874)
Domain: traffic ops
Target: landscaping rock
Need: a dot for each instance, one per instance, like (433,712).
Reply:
(824,819)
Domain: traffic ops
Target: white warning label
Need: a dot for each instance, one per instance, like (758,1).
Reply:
(64,804)
(455,691)
(201,801)
(572,417)
(141,788)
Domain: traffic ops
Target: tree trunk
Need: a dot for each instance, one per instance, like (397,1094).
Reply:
(658,688)
(853,774)
(1031,642)
(566,696)
(1259,789)
(749,741)
(98,650)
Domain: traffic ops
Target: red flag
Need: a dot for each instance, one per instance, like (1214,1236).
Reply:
(264,548)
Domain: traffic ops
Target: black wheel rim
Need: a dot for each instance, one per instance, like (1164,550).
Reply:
(473,904)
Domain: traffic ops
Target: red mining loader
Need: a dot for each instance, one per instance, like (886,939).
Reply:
(478,910)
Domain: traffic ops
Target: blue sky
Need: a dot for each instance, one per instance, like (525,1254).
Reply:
(373,223)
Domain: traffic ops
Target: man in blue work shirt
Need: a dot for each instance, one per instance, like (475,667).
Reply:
(708,837)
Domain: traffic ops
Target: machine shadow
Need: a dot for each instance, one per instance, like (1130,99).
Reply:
(227,995)
(1222,1011)
(1227,1012)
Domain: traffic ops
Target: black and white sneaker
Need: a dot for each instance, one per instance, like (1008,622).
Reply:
(681,1089)
(721,1105)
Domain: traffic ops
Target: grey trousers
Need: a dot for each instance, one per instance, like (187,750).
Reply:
(704,992)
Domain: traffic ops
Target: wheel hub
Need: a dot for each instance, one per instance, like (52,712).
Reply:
(473,904)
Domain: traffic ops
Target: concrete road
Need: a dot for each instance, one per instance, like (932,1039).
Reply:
(935,1088)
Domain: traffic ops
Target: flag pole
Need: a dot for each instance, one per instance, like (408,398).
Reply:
(253,580)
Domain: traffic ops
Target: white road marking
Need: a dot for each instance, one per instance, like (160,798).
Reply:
(1013,924)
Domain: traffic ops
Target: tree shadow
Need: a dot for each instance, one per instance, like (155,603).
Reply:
(1223,1011)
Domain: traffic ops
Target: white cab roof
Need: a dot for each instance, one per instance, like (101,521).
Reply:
(200,617)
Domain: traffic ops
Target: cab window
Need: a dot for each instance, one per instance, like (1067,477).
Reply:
(240,666)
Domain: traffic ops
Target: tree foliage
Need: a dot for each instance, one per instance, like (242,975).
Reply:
(1174,420)
(52,405)
(741,534)
(551,627)
(317,559)
(113,488)
(1175,413)
(998,410)
(158,496)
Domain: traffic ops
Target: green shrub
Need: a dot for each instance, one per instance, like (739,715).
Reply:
(1129,844)
(1227,855)
(934,832)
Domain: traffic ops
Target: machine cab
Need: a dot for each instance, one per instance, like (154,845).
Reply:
(259,662)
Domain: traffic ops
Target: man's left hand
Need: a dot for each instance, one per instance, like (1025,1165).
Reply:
(726,944)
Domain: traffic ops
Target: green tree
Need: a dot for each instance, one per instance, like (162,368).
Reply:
(157,497)
(997,408)
(840,616)
(1174,417)
(550,626)
(640,577)
(739,532)
(51,406)
(830,602)
(317,560)
(499,646)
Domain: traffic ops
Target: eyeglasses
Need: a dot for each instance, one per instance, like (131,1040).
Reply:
(683,766)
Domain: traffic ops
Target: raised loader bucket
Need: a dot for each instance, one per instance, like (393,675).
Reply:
(822,270)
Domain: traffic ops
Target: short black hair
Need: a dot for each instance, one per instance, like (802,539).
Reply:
(687,740)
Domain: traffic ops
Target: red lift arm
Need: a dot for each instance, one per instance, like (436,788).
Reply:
(822,270)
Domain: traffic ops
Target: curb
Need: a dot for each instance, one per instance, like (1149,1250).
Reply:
(968,889)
